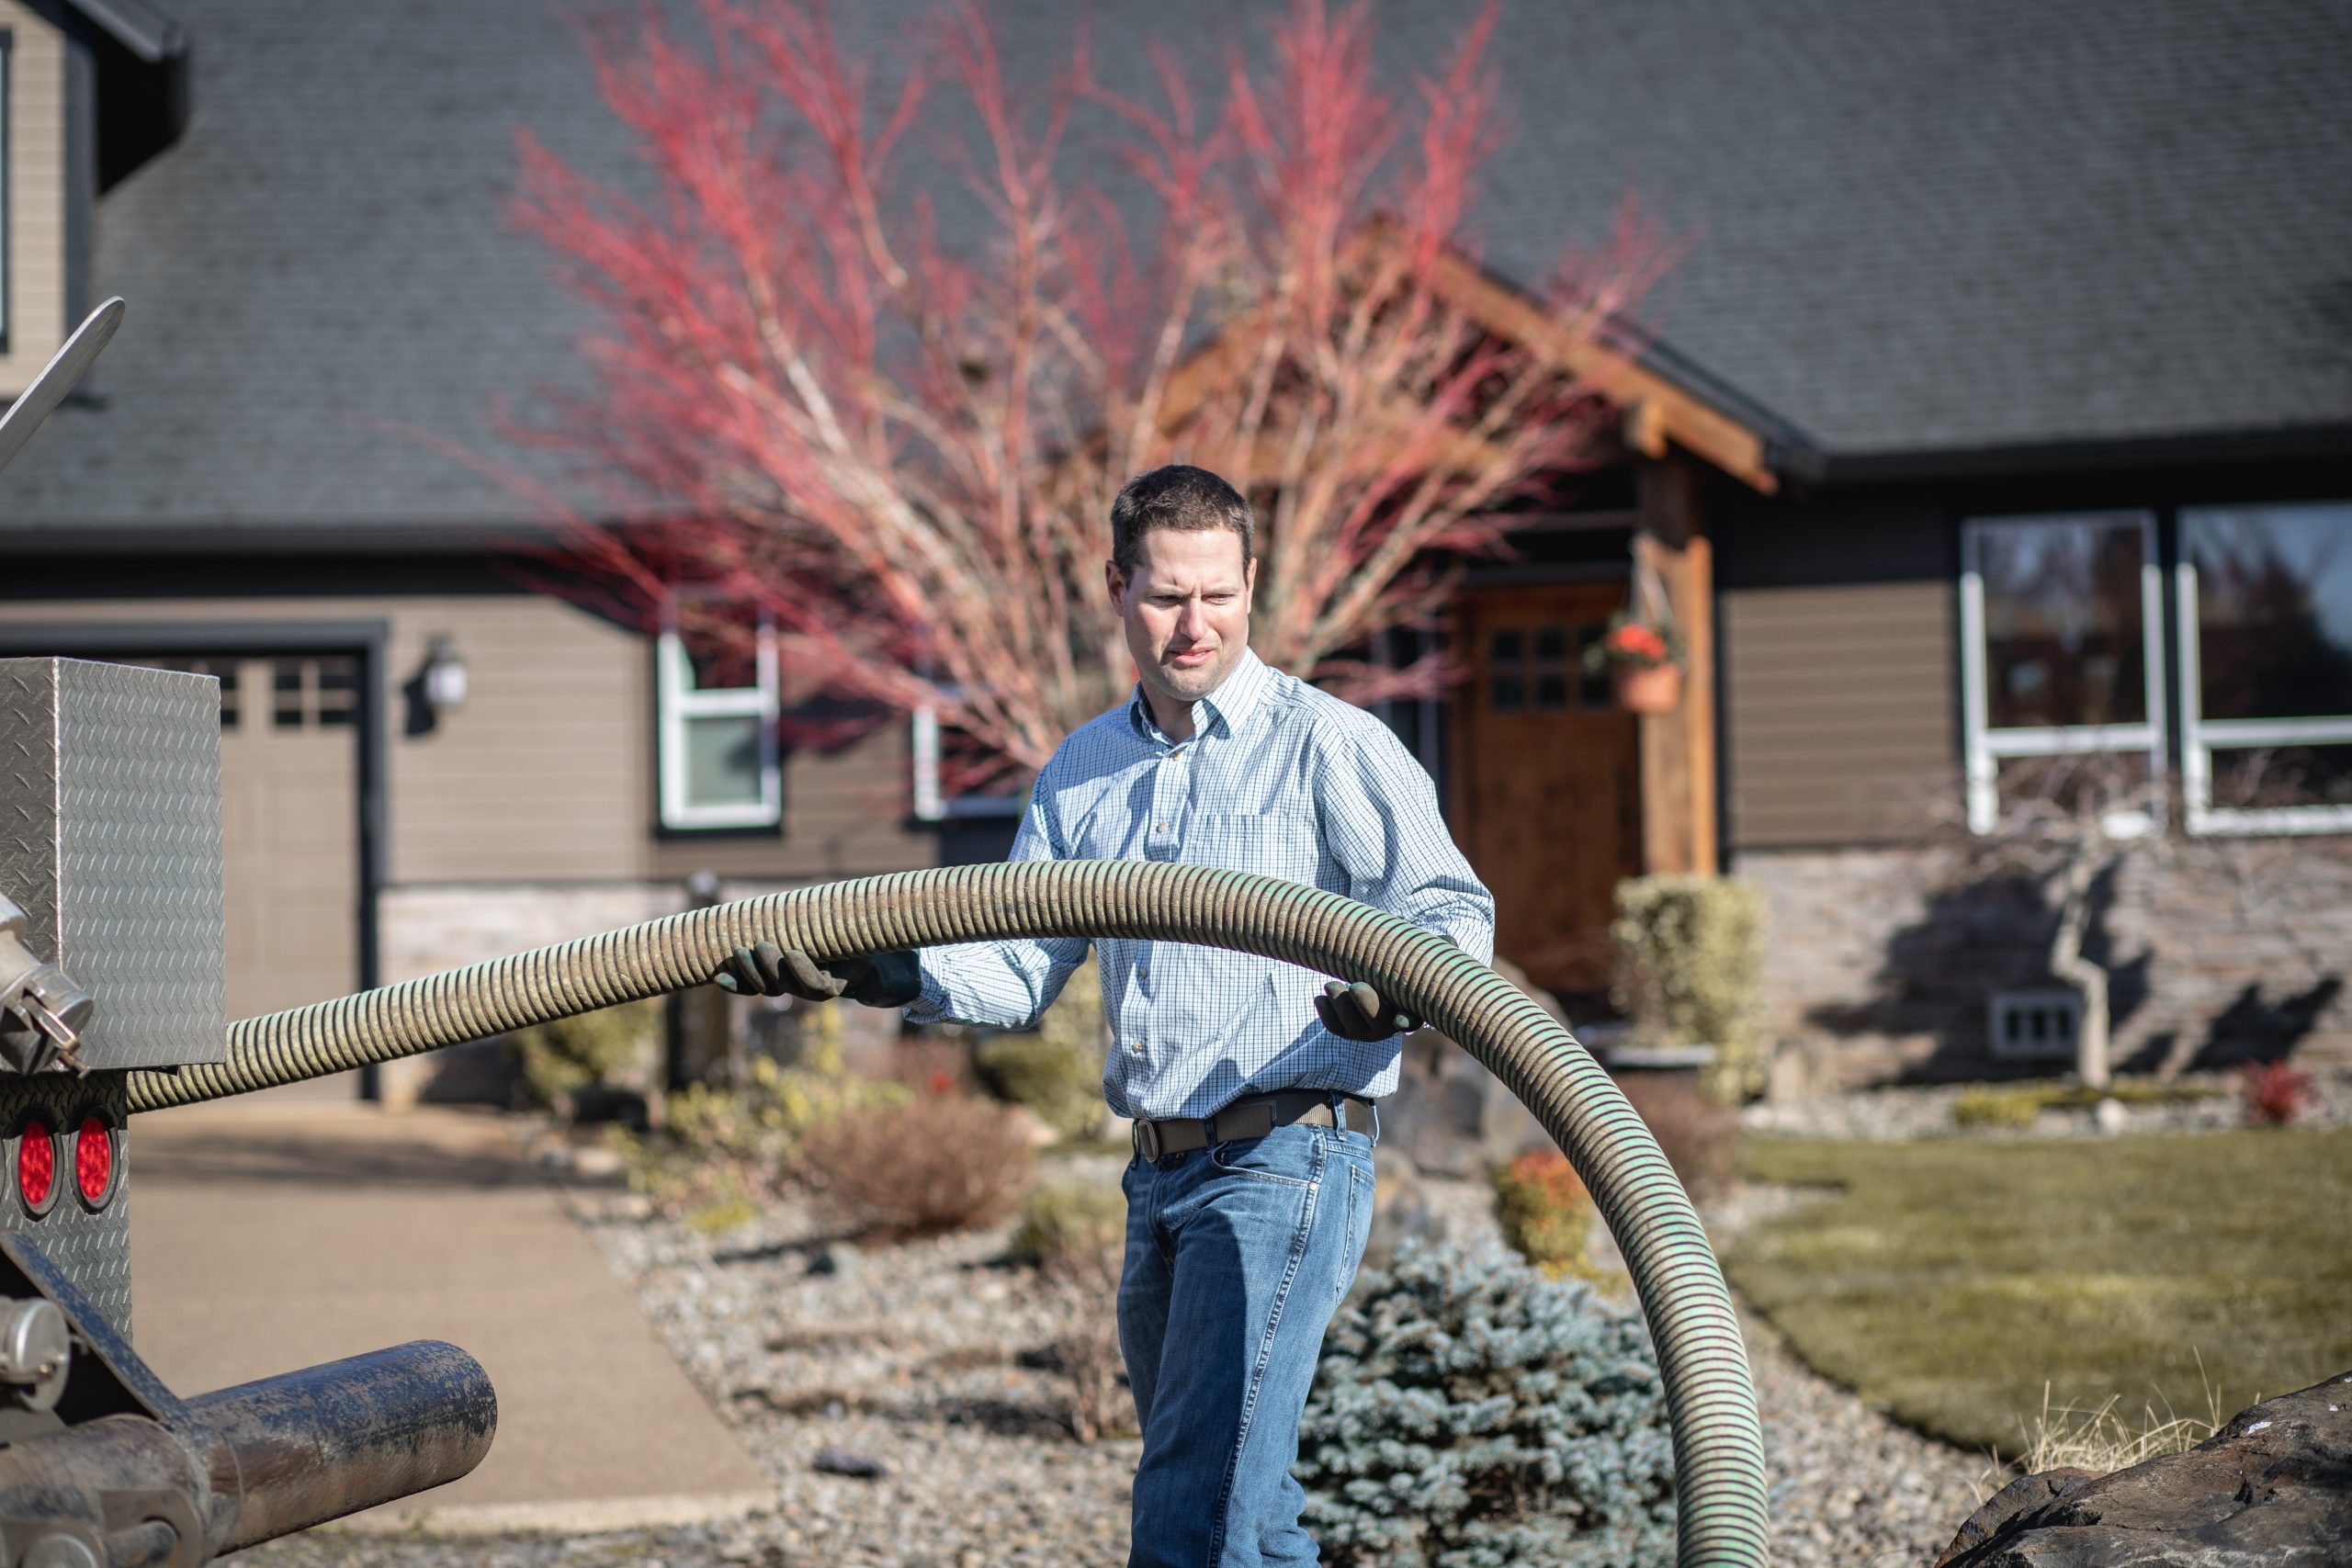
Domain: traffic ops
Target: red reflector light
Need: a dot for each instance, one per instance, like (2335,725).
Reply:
(94,1160)
(36,1165)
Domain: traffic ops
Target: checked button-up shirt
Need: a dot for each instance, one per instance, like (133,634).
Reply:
(1277,778)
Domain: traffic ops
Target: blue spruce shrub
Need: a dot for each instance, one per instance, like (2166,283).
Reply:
(1470,1412)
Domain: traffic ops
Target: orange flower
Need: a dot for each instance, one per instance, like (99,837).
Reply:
(1638,642)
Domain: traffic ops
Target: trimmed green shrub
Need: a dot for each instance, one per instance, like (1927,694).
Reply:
(1062,1084)
(1689,971)
(1070,1218)
(611,1045)
(1056,1071)
(1469,1412)
(2015,1109)
(2017,1105)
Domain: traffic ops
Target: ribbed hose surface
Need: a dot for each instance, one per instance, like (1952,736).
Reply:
(1718,1447)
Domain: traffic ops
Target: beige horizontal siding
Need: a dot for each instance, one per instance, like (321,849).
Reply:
(844,815)
(545,775)
(36,241)
(1840,713)
(542,776)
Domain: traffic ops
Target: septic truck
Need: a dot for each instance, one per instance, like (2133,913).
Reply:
(112,953)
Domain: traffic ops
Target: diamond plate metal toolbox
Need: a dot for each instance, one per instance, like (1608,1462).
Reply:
(110,838)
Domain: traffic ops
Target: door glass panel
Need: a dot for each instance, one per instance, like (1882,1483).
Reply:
(2274,610)
(286,692)
(1592,684)
(1508,645)
(1509,693)
(338,695)
(2063,640)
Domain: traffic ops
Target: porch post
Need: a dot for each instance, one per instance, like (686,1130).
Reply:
(1678,748)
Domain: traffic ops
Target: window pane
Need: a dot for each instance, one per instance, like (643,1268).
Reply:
(2289,775)
(1551,643)
(2064,643)
(2048,799)
(723,760)
(2274,610)
(1509,694)
(1508,646)
(1552,691)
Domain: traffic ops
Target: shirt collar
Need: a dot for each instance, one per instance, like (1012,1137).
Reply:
(1235,699)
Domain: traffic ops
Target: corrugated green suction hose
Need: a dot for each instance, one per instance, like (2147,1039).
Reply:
(1718,1448)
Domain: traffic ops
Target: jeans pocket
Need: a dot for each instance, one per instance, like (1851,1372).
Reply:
(1291,1162)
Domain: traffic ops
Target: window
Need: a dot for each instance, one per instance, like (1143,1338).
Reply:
(1541,668)
(719,760)
(2266,668)
(943,752)
(2058,646)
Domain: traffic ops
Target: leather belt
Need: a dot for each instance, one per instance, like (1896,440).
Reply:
(1251,1116)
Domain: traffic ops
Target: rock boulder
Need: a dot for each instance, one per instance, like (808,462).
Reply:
(2272,1487)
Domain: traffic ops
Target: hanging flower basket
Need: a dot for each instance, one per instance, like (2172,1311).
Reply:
(1654,688)
(1645,666)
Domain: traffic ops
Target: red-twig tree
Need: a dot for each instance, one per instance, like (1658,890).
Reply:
(902,444)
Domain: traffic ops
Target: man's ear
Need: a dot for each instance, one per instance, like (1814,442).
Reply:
(1115,583)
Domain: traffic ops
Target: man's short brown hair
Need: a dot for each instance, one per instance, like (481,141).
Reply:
(1179,496)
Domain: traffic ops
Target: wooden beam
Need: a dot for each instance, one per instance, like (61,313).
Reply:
(1657,412)
(1665,410)
(1678,748)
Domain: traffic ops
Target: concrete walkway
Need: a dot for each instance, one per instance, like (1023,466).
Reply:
(273,1235)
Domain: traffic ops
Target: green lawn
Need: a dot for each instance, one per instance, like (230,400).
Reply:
(1946,1280)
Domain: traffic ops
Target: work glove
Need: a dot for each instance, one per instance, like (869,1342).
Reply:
(1356,1012)
(877,979)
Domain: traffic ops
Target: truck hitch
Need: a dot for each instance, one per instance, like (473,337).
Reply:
(102,1466)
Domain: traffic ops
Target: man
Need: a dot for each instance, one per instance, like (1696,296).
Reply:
(1250,1080)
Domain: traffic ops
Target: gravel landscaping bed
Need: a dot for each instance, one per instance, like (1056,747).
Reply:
(925,1358)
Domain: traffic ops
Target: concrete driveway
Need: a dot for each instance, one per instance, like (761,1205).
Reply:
(271,1235)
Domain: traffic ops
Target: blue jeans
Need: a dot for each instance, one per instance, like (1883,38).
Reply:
(1237,1257)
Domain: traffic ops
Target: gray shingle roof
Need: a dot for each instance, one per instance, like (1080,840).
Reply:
(1914,226)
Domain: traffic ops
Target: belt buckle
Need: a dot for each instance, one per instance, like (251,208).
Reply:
(1148,1140)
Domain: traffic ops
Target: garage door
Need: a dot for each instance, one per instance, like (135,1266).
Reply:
(289,821)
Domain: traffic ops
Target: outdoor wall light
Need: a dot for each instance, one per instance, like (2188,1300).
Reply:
(444,675)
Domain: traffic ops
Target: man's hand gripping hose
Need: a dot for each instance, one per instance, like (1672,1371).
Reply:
(1718,1447)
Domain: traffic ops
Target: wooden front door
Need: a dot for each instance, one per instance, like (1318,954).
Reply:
(1546,769)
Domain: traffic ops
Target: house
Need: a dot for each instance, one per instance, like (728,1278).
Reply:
(2005,338)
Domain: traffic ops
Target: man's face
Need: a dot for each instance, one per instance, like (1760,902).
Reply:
(1186,610)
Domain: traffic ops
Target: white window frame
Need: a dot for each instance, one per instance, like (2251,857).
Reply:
(2201,737)
(1985,747)
(933,805)
(677,700)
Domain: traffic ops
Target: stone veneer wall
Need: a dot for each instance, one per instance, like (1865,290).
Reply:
(2219,952)
(424,929)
